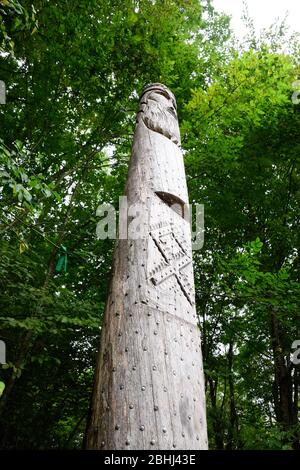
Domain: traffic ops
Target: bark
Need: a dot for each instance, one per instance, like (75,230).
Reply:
(217,421)
(233,430)
(285,386)
(283,383)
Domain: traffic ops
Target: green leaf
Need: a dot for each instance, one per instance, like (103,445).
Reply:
(2,387)
(23,247)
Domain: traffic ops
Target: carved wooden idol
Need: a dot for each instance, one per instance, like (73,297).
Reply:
(149,387)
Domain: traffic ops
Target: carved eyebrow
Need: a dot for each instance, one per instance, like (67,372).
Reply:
(166,95)
(163,93)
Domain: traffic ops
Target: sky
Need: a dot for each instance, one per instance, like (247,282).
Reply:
(263,12)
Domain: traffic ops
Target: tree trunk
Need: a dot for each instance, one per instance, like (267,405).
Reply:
(149,388)
(217,421)
(233,430)
(283,388)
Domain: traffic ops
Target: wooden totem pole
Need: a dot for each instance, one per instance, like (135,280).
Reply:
(149,386)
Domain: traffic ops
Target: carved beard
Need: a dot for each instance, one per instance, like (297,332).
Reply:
(159,115)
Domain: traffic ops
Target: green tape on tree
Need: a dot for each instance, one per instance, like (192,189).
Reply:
(62,262)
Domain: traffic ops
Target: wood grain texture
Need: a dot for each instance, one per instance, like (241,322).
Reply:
(149,385)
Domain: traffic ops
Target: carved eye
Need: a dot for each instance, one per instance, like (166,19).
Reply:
(172,111)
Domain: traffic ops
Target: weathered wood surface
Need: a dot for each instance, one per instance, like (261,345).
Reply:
(149,386)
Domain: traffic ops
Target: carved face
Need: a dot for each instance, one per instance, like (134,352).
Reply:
(158,112)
